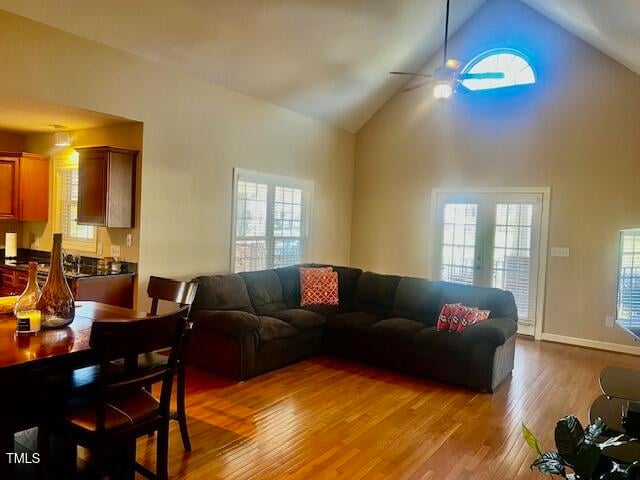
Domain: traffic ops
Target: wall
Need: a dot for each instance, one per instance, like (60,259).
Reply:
(38,235)
(577,131)
(194,134)
(10,142)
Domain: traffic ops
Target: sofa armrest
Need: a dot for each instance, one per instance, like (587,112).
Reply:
(228,323)
(493,330)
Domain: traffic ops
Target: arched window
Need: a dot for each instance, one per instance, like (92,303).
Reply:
(514,65)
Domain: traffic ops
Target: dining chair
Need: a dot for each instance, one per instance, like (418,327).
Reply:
(182,293)
(121,410)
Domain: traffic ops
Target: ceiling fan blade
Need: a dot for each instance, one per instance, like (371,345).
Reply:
(412,74)
(482,76)
(415,87)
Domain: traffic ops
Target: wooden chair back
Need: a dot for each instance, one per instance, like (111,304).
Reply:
(117,339)
(170,290)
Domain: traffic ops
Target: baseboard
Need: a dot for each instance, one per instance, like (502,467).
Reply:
(583,342)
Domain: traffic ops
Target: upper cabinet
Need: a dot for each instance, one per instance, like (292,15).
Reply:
(24,186)
(106,187)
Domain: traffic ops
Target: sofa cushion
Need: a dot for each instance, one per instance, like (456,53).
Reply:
(396,329)
(353,320)
(222,292)
(264,291)
(290,282)
(318,286)
(431,339)
(500,302)
(326,311)
(347,282)
(375,293)
(300,318)
(273,328)
(417,299)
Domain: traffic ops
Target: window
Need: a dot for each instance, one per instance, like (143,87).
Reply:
(629,278)
(74,236)
(271,221)
(514,65)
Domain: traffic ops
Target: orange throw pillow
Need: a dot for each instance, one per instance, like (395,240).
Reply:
(318,286)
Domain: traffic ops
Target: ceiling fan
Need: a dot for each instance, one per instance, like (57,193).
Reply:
(446,78)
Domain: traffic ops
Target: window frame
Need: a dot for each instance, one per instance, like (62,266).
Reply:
(621,234)
(272,180)
(496,51)
(61,163)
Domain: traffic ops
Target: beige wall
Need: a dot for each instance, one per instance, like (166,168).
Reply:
(577,131)
(38,235)
(194,134)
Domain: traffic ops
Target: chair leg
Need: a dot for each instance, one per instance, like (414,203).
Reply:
(182,409)
(162,453)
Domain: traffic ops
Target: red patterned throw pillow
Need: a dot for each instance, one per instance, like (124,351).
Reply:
(318,286)
(471,317)
(445,319)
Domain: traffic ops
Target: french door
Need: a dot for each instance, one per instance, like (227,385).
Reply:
(492,240)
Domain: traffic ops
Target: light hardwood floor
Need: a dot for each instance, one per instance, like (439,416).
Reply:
(329,418)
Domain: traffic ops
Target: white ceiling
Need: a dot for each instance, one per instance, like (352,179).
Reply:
(327,59)
(22,115)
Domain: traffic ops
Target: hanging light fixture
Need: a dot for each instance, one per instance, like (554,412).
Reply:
(61,136)
(443,90)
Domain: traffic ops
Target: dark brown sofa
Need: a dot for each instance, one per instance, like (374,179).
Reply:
(250,323)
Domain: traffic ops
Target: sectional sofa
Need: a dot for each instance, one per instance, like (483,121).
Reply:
(250,323)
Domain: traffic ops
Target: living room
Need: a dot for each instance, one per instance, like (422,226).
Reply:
(465,165)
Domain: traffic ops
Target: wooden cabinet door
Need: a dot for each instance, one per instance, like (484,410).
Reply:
(92,192)
(34,188)
(8,188)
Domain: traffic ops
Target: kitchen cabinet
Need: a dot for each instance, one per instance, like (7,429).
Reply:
(24,186)
(106,187)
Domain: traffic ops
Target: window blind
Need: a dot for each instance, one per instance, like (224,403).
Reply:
(271,221)
(68,207)
(629,278)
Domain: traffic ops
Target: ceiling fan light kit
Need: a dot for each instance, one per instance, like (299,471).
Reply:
(442,90)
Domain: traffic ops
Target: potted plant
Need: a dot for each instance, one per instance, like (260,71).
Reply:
(579,454)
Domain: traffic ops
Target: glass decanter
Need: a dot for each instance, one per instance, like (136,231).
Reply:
(56,302)
(29,298)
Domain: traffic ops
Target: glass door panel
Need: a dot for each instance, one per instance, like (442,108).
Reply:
(459,242)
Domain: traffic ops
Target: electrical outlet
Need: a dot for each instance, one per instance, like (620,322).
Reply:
(99,248)
(115,250)
(129,239)
(608,321)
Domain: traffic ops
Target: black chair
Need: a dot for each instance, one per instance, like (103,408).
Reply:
(182,293)
(121,410)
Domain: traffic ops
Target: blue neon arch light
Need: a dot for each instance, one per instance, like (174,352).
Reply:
(514,64)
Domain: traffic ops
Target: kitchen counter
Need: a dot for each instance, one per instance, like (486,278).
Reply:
(43,269)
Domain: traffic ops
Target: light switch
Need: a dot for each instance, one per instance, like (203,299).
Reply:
(559,251)
(115,250)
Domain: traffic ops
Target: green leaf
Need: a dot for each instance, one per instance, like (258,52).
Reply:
(569,436)
(550,463)
(532,441)
(593,431)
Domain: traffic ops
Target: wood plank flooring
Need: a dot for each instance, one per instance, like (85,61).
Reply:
(328,418)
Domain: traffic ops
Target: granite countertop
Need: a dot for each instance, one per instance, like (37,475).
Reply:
(86,269)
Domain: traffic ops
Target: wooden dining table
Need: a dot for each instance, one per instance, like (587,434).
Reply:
(29,362)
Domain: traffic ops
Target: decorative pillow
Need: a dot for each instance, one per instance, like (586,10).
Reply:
(445,319)
(471,317)
(318,286)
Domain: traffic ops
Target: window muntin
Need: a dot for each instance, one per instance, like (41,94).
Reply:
(628,304)
(514,65)
(271,217)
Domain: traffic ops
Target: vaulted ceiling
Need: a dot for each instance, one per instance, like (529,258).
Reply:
(327,59)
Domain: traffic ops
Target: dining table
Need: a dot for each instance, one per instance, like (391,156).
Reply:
(37,371)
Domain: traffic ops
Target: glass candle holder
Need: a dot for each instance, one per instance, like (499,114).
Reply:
(28,321)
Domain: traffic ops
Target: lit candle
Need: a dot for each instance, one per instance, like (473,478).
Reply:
(28,321)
